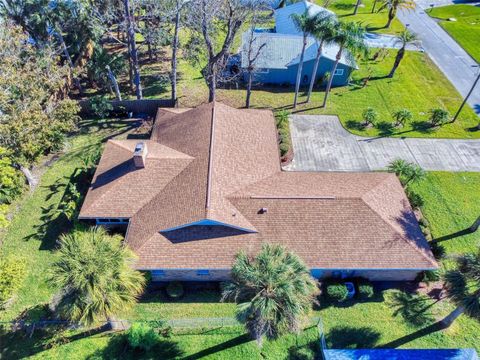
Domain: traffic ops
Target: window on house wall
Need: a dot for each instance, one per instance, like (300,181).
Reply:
(203,272)
(158,273)
(338,72)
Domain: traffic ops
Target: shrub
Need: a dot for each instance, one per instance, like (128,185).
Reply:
(282,118)
(402,116)
(175,290)
(142,336)
(365,289)
(100,106)
(416,201)
(337,291)
(12,182)
(369,116)
(438,116)
(431,276)
(3,216)
(12,273)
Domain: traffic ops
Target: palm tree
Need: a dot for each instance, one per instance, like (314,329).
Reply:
(357,5)
(323,32)
(349,36)
(463,288)
(304,23)
(95,275)
(401,116)
(405,37)
(393,6)
(273,291)
(406,171)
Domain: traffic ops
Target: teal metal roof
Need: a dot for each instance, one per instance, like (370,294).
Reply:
(283,50)
(401,354)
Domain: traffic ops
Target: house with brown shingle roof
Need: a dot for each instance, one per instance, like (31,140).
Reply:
(208,184)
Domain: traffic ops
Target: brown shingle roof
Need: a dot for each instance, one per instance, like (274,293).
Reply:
(216,164)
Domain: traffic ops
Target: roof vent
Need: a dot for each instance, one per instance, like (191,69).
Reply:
(263,211)
(140,155)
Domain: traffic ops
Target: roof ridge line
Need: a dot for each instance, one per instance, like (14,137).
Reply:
(210,161)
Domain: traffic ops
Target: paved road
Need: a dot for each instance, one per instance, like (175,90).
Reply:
(450,57)
(320,143)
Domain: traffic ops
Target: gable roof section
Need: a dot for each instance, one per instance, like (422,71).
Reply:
(283,50)
(118,189)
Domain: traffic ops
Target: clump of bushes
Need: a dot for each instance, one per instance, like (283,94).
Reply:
(336,291)
(416,201)
(175,290)
(12,274)
(100,106)
(431,276)
(141,336)
(283,132)
(365,289)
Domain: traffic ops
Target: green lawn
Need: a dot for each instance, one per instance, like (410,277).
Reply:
(466,30)
(418,86)
(451,204)
(374,22)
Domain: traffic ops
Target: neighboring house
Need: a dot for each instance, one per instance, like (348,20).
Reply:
(208,184)
(279,58)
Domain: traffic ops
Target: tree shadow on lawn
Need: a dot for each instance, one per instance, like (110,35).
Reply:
(413,336)
(347,337)
(355,125)
(304,352)
(53,221)
(239,340)
(118,348)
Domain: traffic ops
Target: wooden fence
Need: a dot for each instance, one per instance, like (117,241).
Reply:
(144,106)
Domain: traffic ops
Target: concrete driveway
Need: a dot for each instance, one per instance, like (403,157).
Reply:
(320,143)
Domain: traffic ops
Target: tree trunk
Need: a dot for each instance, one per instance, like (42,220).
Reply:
(398,59)
(450,318)
(249,88)
(70,62)
(299,70)
(332,73)
(133,50)
(114,83)
(211,82)
(173,79)
(475,225)
(357,4)
(374,5)
(391,16)
(130,69)
(314,72)
(31,180)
